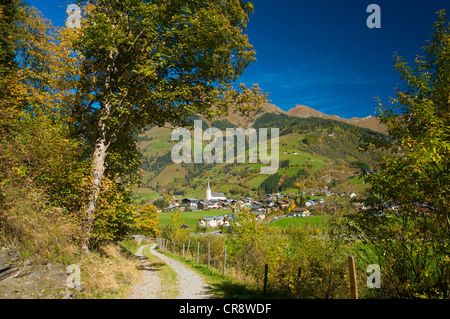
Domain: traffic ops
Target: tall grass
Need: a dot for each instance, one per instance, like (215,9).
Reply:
(45,234)
(108,273)
(39,231)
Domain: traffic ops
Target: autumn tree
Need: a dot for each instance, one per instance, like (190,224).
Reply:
(155,63)
(35,90)
(9,88)
(41,170)
(407,225)
(146,220)
(245,240)
(8,16)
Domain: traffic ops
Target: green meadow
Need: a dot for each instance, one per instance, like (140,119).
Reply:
(191,218)
(314,220)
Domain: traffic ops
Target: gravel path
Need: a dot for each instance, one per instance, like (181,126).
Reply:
(149,285)
(191,284)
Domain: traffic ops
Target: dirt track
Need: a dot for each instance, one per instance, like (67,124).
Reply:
(190,284)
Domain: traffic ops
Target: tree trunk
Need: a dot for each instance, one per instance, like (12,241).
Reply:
(100,152)
(98,170)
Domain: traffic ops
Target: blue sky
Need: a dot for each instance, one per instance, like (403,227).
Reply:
(321,53)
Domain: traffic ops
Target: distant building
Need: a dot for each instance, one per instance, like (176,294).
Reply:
(191,202)
(310,203)
(214,221)
(202,205)
(282,203)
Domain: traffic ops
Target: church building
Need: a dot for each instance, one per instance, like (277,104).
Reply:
(213,195)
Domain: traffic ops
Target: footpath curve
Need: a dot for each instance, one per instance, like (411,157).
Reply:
(190,284)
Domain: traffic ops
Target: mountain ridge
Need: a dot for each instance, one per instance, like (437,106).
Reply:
(302,111)
(369,122)
(313,154)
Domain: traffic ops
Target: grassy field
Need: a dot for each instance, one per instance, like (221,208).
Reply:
(191,218)
(315,220)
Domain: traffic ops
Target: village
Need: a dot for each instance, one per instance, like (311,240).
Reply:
(284,203)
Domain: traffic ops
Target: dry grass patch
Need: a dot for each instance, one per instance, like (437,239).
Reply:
(40,232)
(47,235)
(108,274)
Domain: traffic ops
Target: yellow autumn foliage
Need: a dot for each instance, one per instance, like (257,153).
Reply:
(146,220)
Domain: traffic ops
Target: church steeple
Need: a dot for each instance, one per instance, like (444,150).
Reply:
(208,192)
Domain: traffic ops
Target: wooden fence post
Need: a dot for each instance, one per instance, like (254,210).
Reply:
(209,254)
(266,272)
(353,283)
(187,251)
(224,260)
(299,280)
(198,251)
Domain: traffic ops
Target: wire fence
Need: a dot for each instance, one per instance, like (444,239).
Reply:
(291,282)
(208,253)
(211,251)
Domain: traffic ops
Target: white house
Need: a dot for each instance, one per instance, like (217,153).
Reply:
(215,205)
(214,221)
(260,216)
(306,213)
(207,222)
(310,203)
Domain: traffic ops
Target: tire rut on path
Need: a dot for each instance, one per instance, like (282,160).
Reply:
(149,285)
(190,284)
